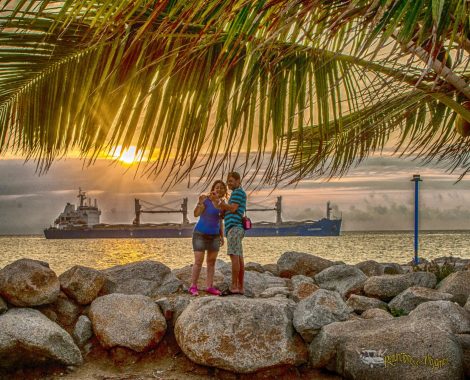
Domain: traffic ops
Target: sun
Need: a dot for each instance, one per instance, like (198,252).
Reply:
(128,156)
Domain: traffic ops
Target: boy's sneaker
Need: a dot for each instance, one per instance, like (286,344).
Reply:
(213,291)
(193,291)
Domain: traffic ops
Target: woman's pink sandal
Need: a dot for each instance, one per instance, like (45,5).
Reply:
(213,291)
(193,291)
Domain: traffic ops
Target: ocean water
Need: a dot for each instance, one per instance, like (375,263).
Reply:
(350,247)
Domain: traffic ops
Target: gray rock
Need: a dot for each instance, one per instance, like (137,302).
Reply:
(464,340)
(446,314)
(3,306)
(458,284)
(376,314)
(300,279)
(256,283)
(292,263)
(407,268)
(401,348)
(467,305)
(63,310)
(27,282)
(223,267)
(392,268)
(240,335)
(412,297)
(27,337)
(371,268)
(165,307)
(302,287)
(320,309)
(172,308)
(271,268)
(184,274)
(360,303)
(149,278)
(83,330)
(131,321)
(251,266)
(179,304)
(171,284)
(82,284)
(388,286)
(345,279)
(272,292)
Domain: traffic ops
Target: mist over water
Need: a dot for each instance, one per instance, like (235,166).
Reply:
(350,247)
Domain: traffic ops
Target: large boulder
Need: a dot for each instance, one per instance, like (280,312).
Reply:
(320,309)
(412,297)
(467,305)
(27,282)
(302,287)
(292,263)
(184,274)
(131,321)
(458,284)
(447,314)
(240,335)
(388,286)
(345,279)
(149,278)
(371,268)
(27,337)
(82,284)
(401,348)
(360,303)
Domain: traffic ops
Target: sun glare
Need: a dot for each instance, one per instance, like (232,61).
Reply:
(129,155)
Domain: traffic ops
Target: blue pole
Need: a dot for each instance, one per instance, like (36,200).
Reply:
(416,179)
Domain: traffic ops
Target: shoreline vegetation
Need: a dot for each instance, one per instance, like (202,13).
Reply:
(302,317)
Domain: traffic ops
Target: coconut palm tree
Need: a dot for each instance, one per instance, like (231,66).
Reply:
(311,87)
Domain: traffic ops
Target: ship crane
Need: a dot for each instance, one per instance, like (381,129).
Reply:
(139,209)
(277,208)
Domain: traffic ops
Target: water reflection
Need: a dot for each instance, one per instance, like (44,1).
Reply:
(350,248)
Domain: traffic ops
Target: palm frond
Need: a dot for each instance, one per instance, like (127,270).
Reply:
(212,84)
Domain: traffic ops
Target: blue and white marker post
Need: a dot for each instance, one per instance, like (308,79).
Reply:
(416,179)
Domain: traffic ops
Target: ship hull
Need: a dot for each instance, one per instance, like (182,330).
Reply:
(323,227)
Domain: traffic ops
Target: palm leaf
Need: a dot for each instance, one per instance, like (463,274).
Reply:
(210,84)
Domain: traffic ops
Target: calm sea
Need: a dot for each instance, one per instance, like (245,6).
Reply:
(350,247)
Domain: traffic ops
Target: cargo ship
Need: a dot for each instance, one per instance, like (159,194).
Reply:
(83,222)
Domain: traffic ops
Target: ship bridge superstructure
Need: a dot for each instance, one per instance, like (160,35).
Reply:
(85,215)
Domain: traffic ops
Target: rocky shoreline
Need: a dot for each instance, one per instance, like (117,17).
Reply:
(302,317)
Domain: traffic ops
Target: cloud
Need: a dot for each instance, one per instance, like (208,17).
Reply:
(376,195)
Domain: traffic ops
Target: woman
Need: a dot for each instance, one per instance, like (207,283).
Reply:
(208,236)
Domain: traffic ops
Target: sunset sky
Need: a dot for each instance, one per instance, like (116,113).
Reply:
(377,195)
